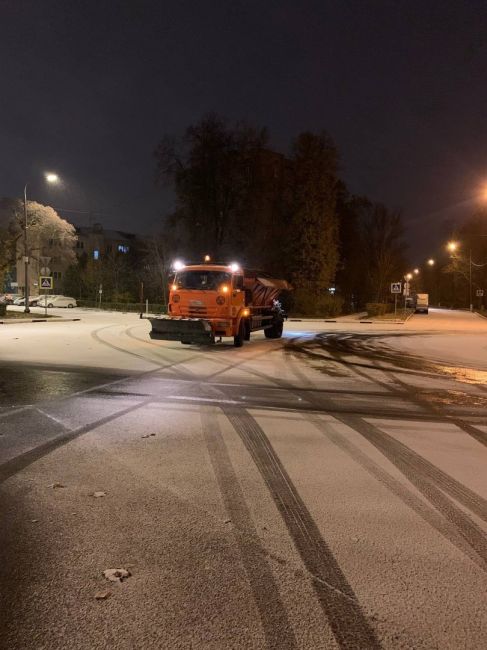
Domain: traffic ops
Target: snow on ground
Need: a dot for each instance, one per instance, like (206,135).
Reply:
(451,337)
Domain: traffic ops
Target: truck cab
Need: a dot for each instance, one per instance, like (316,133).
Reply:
(213,292)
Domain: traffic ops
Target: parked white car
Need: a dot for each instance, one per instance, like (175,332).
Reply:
(56,301)
(33,300)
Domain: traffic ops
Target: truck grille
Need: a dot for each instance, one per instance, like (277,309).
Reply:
(197,312)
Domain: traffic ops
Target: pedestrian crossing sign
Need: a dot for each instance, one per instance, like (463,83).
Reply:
(395,287)
(45,282)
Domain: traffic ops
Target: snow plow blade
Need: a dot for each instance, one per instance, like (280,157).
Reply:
(186,330)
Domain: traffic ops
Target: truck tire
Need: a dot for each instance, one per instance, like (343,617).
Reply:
(274,332)
(239,339)
(247,330)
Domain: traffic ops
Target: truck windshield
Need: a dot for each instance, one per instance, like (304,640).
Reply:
(202,280)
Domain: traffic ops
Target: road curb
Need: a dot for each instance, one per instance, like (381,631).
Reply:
(19,321)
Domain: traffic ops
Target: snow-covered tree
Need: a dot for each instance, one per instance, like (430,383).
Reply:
(47,233)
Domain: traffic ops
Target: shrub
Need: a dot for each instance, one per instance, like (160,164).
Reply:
(307,303)
(378,308)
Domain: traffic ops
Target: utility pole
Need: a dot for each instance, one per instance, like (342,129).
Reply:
(26,256)
(470,276)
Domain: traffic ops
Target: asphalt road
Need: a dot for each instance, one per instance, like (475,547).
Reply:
(328,490)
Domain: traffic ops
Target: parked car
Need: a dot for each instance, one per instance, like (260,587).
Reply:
(32,301)
(46,300)
(56,301)
(9,298)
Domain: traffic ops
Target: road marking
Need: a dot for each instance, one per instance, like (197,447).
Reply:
(212,400)
(54,419)
(16,410)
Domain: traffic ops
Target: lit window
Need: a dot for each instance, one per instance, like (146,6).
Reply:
(96,254)
(122,248)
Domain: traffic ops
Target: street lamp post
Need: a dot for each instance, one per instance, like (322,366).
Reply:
(26,256)
(50,178)
(470,276)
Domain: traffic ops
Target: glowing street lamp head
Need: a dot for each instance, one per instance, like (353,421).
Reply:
(431,262)
(234,267)
(207,258)
(482,194)
(52,178)
(452,246)
(409,276)
(416,271)
(177,265)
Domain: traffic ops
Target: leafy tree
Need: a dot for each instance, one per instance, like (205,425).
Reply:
(313,226)
(119,274)
(7,251)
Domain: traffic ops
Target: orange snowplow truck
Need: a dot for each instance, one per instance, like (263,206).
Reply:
(210,301)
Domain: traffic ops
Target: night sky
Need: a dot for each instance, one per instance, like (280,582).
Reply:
(89,88)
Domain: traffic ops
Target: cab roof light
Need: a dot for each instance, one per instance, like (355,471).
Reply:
(177,265)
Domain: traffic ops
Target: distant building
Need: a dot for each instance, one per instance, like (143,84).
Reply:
(94,241)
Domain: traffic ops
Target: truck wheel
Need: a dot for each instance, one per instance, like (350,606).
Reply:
(247,330)
(238,340)
(274,332)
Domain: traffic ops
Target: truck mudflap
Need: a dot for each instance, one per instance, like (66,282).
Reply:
(186,330)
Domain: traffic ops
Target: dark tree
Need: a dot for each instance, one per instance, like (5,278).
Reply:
(313,226)
(384,250)
(209,168)
(352,275)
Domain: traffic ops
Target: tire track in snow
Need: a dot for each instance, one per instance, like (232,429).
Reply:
(347,621)
(277,629)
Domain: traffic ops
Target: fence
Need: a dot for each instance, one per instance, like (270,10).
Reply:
(153,308)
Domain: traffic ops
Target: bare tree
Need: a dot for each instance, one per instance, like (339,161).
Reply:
(384,249)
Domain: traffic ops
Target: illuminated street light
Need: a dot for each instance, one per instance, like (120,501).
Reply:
(431,262)
(207,258)
(50,178)
(452,246)
(234,267)
(178,265)
(409,276)
(416,271)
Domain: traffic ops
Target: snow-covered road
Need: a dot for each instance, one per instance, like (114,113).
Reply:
(328,490)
